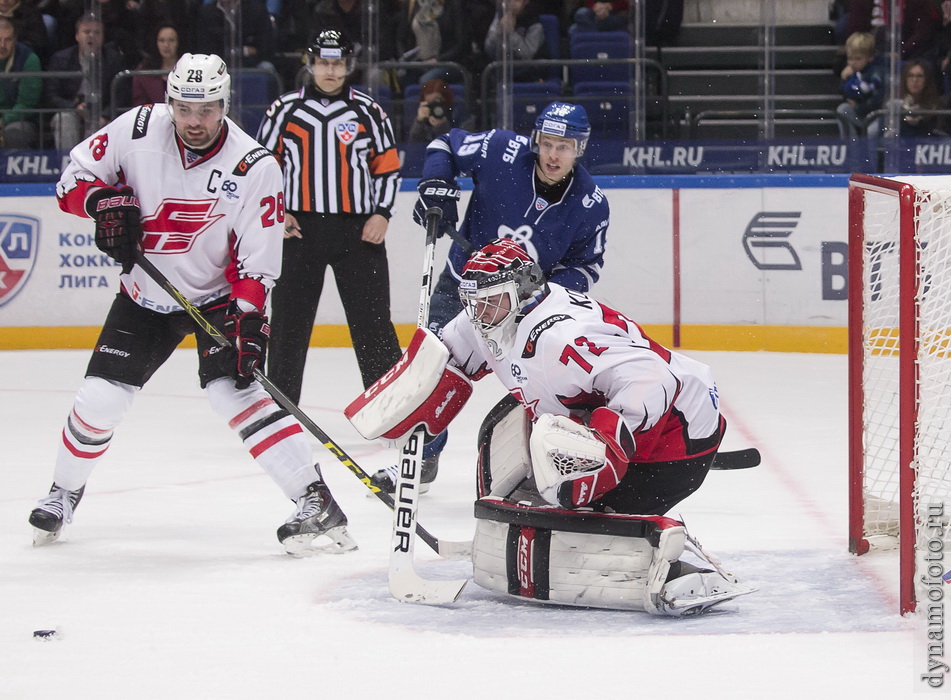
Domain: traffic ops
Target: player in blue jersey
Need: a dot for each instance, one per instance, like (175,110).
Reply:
(531,190)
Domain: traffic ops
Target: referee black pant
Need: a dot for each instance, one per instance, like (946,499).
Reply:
(363,283)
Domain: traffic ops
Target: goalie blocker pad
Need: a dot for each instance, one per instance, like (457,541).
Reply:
(419,389)
(551,555)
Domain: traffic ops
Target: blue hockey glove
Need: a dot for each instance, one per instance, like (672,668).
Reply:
(437,192)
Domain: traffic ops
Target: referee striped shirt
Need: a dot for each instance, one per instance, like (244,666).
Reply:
(338,153)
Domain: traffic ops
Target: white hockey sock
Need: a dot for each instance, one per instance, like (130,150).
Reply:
(273,436)
(99,406)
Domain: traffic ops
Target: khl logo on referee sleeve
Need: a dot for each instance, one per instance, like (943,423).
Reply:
(19,238)
(347,131)
(765,240)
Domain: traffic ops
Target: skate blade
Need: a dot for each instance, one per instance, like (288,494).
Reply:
(686,608)
(303,545)
(44,537)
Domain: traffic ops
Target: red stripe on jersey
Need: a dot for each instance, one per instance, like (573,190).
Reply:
(74,201)
(276,438)
(76,452)
(249,411)
(250,290)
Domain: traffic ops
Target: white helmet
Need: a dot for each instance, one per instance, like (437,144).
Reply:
(199,77)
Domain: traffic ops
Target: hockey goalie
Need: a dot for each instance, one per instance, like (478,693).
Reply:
(602,433)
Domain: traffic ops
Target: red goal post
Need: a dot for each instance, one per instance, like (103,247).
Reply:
(900,374)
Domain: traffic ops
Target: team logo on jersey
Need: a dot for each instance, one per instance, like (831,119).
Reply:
(19,236)
(540,204)
(346,132)
(177,223)
(535,333)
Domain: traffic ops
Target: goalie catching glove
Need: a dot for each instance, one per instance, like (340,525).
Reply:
(118,224)
(421,389)
(437,192)
(248,332)
(575,465)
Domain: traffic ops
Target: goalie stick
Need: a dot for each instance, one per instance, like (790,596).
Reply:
(404,582)
(449,550)
(737,459)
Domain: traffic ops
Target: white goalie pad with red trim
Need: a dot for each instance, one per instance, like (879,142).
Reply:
(419,389)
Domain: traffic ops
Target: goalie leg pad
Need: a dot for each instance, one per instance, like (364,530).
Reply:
(419,389)
(549,555)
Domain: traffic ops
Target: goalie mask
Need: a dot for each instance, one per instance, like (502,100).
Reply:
(500,284)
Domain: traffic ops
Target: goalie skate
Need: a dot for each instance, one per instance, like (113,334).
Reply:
(697,592)
(52,513)
(317,515)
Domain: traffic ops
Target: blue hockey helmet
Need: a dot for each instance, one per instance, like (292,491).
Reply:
(564,120)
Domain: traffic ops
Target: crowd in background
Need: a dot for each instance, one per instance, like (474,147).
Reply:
(149,35)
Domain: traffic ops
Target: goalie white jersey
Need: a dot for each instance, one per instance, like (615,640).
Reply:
(573,354)
(212,222)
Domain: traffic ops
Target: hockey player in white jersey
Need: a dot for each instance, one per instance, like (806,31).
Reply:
(619,427)
(182,185)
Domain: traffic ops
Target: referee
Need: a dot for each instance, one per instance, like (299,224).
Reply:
(341,176)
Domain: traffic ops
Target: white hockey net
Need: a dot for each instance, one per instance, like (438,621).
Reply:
(904,371)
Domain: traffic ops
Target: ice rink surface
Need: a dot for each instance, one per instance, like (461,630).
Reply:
(170,583)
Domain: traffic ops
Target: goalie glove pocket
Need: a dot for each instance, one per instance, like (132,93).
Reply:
(575,465)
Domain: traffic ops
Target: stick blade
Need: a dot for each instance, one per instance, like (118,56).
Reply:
(408,587)
(459,551)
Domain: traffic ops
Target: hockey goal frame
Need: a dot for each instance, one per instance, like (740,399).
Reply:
(908,369)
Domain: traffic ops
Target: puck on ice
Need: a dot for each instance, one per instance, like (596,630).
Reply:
(44,634)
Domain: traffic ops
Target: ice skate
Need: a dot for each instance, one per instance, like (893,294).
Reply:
(385,479)
(52,512)
(317,515)
(697,592)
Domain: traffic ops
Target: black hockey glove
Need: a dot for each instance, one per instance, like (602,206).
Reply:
(118,224)
(248,332)
(436,192)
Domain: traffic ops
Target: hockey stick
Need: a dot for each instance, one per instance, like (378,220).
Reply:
(405,584)
(449,550)
(737,459)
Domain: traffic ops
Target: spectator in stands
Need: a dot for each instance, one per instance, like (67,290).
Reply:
(919,90)
(863,86)
(19,95)
(526,37)
(257,33)
(165,51)
(920,23)
(598,16)
(478,17)
(157,13)
(434,114)
(430,31)
(31,30)
(123,29)
(72,95)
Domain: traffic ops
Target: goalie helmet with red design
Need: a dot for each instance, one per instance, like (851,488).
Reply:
(500,284)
